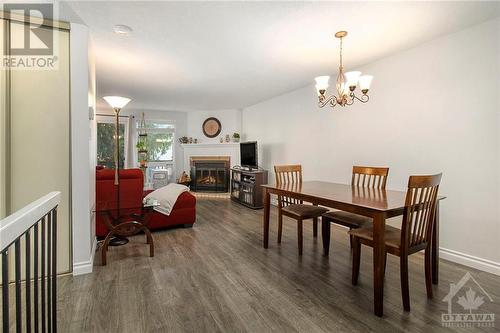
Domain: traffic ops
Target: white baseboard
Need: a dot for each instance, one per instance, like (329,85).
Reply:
(85,267)
(471,261)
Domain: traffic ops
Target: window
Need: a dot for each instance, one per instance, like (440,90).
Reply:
(159,143)
(106,142)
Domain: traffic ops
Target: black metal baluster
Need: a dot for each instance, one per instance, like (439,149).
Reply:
(54,270)
(35,276)
(5,291)
(49,272)
(42,282)
(17,269)
(28,280)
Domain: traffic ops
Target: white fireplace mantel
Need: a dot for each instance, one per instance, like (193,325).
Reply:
(231,149)
(210,145)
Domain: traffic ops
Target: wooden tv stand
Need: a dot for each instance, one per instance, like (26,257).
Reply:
(246,187)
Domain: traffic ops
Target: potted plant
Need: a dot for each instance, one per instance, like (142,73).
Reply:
(140,145)
(236,137)
(142,152)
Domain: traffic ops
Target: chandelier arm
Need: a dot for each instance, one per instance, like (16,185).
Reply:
(330,100)
(364,98)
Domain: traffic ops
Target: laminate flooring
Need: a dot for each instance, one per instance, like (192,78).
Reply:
(217,277)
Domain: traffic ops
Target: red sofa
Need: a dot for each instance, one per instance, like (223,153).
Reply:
(131,195)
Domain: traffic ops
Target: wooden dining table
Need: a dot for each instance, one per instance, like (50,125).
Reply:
(375,203)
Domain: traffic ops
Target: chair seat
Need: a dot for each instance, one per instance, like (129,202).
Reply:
(347,219)
(392,235)
(304,211)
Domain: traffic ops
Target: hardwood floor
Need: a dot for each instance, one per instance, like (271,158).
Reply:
(217,277)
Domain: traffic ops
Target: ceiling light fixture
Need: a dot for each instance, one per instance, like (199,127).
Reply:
(346,84)
(121,29)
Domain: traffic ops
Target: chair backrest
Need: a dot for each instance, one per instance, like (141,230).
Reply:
(131,188)
(420,207)
(131,194)
(288,174)
(372,177)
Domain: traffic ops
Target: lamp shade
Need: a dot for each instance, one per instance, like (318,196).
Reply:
(352,78)
(322,82)
(116,102)
(365,81)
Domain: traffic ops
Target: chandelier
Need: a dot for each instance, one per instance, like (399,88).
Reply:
(346,84)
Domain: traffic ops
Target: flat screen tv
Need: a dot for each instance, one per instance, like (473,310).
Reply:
(248,154)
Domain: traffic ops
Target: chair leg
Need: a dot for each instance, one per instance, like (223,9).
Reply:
(356,258)
(299,236)
(350,239)
(325,232)
(405,290)
(385,263)
(428,272)
(280,225)
(315,227)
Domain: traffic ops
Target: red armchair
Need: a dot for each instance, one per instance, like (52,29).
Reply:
(131,195)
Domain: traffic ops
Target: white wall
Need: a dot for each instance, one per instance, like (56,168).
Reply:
(92,142)
(83,149)
(3,137)
(433,108)
(229,119)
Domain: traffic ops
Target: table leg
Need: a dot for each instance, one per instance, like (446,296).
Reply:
(325,233)
(104,248)
(267,207)
(149,240)
(119,230)
(435,247)
(378,263)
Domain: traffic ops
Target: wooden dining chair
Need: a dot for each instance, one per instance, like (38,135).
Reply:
(291,175)
(365,177)
(414,235)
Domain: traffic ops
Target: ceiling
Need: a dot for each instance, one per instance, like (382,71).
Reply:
(224,55)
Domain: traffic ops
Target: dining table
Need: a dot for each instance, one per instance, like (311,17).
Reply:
(378,204)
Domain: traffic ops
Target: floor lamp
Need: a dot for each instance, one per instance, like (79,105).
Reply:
(117,103)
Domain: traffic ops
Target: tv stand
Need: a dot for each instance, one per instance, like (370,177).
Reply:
(246,187)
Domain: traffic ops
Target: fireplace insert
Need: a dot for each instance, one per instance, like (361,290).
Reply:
(209,176)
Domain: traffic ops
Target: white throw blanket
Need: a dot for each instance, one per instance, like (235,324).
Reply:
(167,197)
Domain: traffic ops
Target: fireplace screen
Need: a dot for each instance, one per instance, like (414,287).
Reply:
(210,176)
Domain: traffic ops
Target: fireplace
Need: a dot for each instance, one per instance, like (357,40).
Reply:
(210,173)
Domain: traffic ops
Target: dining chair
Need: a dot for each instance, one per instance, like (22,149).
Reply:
(366,177)
(291,175)
(414,236)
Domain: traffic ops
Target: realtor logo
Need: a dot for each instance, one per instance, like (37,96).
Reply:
(467,296)
(35,38)
(29,45)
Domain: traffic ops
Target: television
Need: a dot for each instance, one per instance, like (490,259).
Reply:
(248,154)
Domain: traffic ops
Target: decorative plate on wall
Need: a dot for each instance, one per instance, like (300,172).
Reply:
(211,127)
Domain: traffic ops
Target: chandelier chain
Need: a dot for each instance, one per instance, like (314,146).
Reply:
(341,65)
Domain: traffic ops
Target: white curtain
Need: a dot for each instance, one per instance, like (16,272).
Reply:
(132,141)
